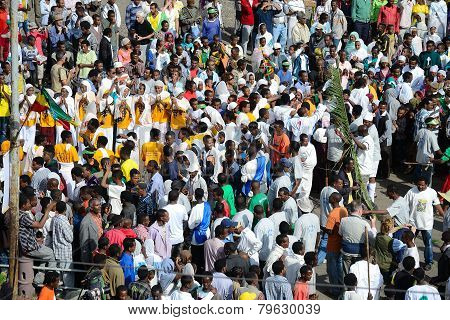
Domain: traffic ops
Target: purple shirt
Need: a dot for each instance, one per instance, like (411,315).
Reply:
(163,247)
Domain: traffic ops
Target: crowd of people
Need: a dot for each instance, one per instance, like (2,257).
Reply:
(192,157)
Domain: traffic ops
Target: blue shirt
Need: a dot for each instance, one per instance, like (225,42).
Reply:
(211,28)
(285,76)
(127,264)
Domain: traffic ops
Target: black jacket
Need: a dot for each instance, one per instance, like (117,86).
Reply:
(105,53)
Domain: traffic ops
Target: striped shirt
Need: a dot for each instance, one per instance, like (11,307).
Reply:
(62,237)
(130,14)
(39,180)
(27,234)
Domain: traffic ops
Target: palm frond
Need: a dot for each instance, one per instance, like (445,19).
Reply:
(335,95)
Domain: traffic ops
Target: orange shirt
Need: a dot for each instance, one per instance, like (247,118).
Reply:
(334,219)
(281,143)
(47,294)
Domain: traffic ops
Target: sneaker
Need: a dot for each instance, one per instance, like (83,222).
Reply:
(428,267)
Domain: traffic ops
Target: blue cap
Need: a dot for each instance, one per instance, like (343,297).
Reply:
(285,162)
(227,223)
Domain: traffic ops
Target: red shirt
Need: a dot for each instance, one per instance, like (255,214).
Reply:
(3,19)
(115,236)
(390,15)
(189,95)
(40,36)
(247,16)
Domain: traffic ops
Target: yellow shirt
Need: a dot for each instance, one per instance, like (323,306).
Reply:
(99,155)
(66,153)
(4,103)
(160,111)
(31,121)
(46,120)
(5,147)
(178,120)
(126,118)
(106,121)
(152,151)
(127,166)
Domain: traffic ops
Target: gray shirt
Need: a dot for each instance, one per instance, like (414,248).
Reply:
(335,145)
(399,210)
(427,145)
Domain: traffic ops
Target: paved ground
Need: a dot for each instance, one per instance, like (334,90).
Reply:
(383,202)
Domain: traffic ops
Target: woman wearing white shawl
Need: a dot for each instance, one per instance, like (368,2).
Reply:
(200,89)
(438,17)
(82,99)
(251,81)
(360,51)
(263,33)
(124,114)
(67,104)
(215,116)
(142,114)
(105,112)
(160,102)
(27,118)
(359,95)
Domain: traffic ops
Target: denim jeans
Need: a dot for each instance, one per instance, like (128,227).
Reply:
(335,272)
(322,252)
(280,31)
(426,237)
(245,39)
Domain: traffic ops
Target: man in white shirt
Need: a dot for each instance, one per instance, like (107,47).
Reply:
(289,205)
(364,150)
(359,269)
(264,231)
(212,161)
(422,201)
(177,218)
(405,92)
(307,227)
(427,146)
(294,262)
(422,290)
(277,216)
(416,71)
(244,217)
(183,293)
(249,243)
(376,154)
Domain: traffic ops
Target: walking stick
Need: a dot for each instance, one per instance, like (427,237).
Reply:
(368,262)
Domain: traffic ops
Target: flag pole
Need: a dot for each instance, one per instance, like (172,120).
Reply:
(23,123)
(14,152)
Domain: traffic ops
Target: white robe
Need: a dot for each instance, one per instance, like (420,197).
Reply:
(251,245)
(438,17)
(359,269)
(309,161)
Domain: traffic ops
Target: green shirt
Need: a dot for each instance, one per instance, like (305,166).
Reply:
(228,196)
(258,199)
(361,10)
